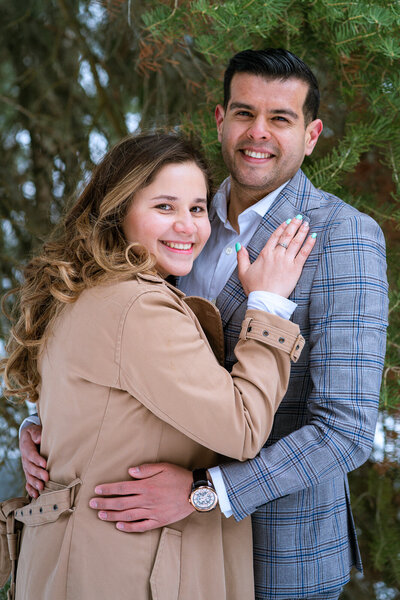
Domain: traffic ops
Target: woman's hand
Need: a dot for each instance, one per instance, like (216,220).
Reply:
(278,266)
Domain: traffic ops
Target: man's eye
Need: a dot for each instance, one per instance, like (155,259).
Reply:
(243,113)
(282,119)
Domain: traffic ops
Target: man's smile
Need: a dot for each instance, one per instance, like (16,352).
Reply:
(257,154)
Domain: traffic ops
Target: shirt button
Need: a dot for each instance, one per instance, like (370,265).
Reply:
(228,250)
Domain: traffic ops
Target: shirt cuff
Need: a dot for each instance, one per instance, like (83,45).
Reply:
(31,419)
(218,482)
(272,303)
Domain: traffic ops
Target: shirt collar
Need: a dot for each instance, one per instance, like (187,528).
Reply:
(219,203)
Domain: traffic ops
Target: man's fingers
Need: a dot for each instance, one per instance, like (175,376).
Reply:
(36,484)
(120,488)
(115,504)
(138,526)
(30,452)
(146,470)
(31,491)
(32,471)
(133,514)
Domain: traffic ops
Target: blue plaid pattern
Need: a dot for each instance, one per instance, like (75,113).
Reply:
(296,488)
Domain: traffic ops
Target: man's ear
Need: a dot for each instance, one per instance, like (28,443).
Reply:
(219,119)
(313,131)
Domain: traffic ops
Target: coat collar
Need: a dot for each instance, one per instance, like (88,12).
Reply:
(154,278)
(298,196)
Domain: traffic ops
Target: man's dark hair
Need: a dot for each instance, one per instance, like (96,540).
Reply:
(274,63)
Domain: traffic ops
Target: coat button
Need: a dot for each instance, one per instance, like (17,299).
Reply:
(281,340)
(266,333)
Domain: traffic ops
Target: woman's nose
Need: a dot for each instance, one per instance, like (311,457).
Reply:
(185,224)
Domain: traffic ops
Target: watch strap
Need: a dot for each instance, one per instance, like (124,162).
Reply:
(200,478)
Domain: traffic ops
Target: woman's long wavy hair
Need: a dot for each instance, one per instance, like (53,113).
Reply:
(87,249)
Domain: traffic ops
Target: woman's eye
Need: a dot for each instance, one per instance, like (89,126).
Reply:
(199,209)
(165,207)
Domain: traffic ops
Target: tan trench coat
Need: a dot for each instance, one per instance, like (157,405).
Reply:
(128,377)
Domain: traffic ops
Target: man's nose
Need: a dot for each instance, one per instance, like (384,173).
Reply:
(259,129)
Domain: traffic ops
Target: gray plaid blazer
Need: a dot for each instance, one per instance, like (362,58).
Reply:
(296,488)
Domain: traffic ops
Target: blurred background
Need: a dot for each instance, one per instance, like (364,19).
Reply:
(76,76)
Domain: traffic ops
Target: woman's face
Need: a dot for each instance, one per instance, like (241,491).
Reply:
(169,217)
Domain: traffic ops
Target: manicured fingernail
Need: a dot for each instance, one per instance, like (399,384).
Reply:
(93,504)
(299,217)
(313,235)
(98,490)
(238,246)
(305,224)
(133,470)
(102,515)
(120,526)
(288,221)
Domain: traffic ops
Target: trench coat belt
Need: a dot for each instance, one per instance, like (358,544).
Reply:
(53,501)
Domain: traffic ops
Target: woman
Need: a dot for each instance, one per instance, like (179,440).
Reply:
(124,370)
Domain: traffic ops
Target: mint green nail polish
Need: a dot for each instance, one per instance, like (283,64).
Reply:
(238,246)
(313,235)
(299,217)
(288,221)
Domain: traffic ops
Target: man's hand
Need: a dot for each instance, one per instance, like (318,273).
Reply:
(33,464)
(156,497)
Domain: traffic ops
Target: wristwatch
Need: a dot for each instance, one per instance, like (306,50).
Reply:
(203,496)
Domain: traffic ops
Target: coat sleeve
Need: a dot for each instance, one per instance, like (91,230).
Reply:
(168,366)
(348,319)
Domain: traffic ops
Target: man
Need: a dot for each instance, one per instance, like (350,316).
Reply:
(296,489)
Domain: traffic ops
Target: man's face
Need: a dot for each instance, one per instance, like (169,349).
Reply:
(263,133)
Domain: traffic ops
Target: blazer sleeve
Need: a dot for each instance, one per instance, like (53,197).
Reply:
(168,366)
(348,319)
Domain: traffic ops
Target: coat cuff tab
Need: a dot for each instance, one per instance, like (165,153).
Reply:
(273,336)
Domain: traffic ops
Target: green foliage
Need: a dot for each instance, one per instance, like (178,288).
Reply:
(3,592)
(376,491)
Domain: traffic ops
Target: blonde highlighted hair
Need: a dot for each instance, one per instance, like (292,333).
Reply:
(88,249)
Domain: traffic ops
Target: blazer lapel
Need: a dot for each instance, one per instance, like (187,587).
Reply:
(299,196)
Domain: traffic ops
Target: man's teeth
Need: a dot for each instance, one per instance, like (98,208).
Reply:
(178,246)
(257,154)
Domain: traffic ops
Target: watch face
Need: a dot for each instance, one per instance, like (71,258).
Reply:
(204,498)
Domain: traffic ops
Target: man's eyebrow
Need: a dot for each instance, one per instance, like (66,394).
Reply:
(234,105)
(285,111)
(275,111)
